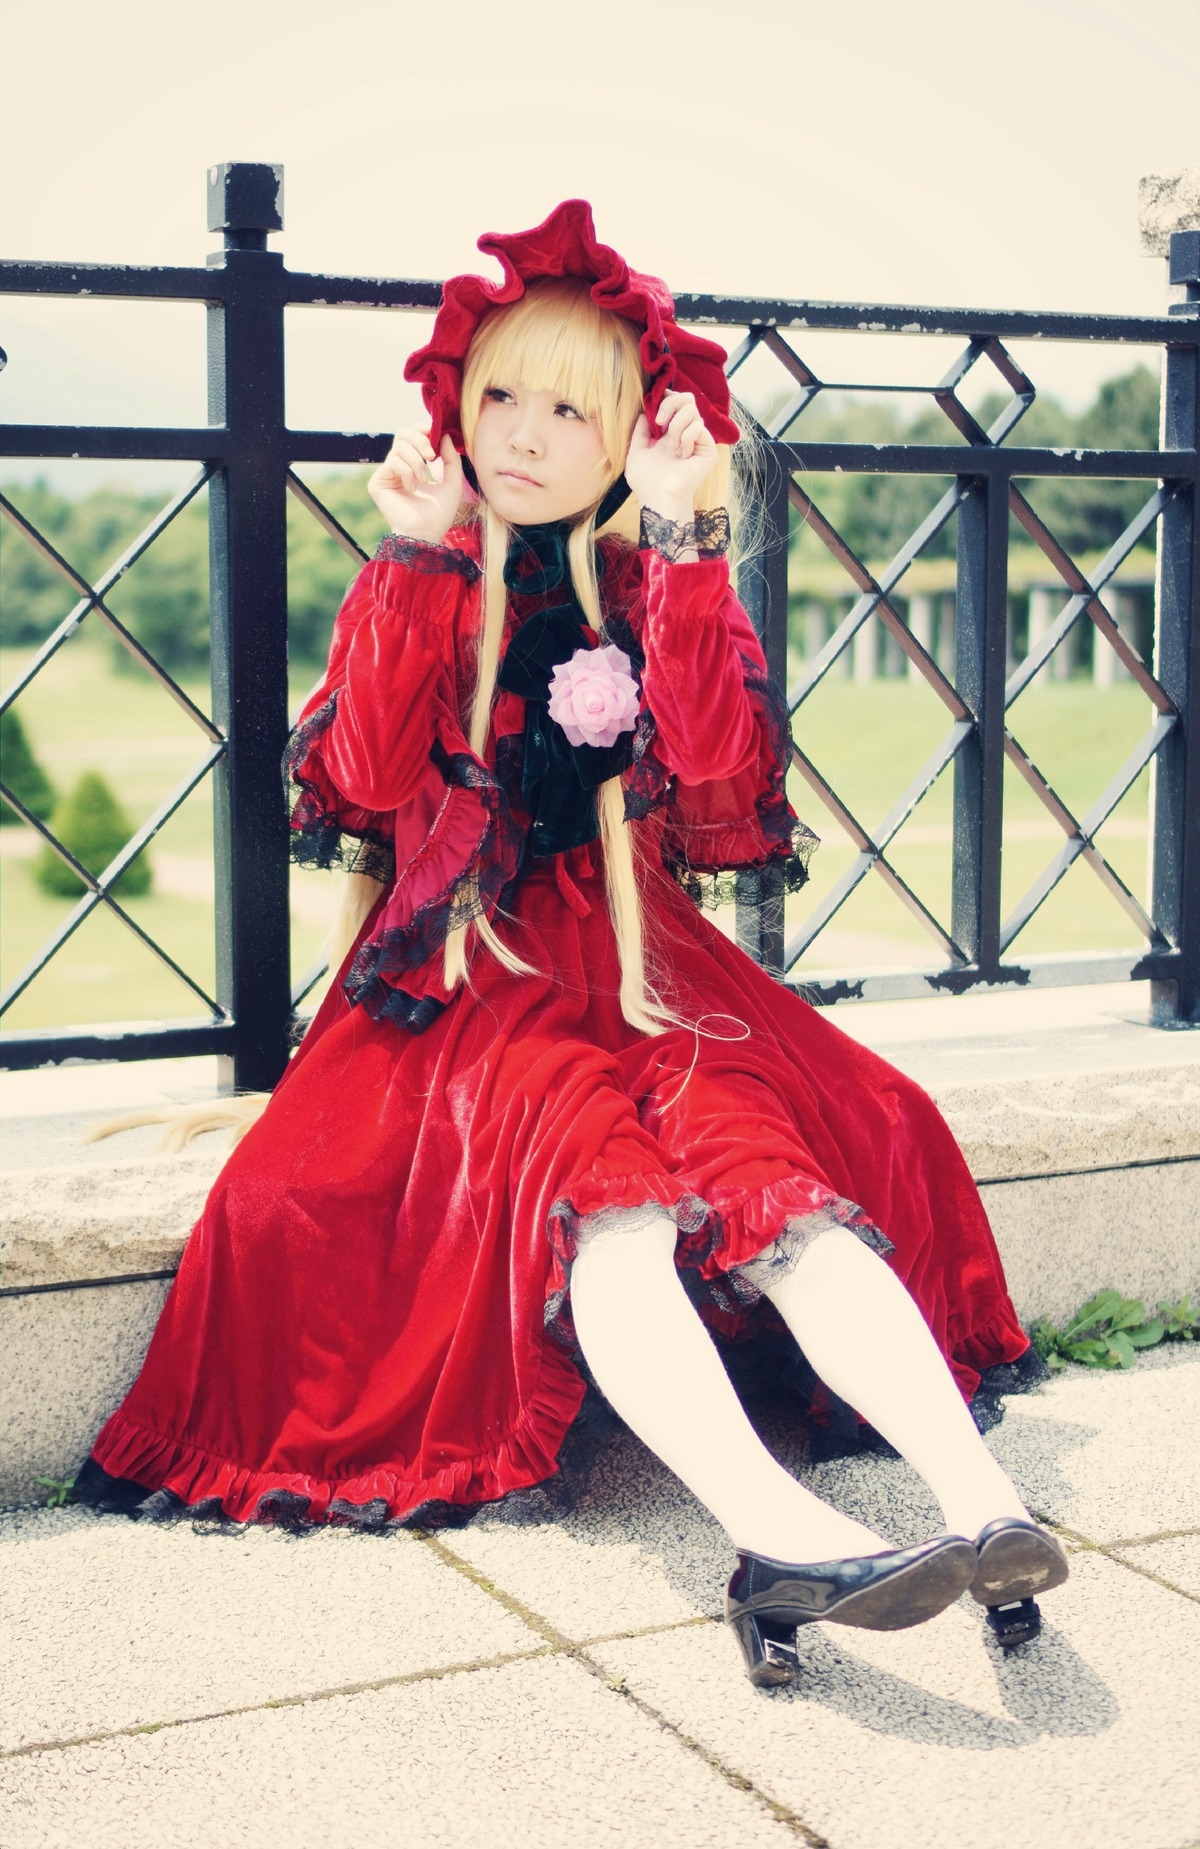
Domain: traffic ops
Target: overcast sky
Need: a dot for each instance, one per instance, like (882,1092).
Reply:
(927,152)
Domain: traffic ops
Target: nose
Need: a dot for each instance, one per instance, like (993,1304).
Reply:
(525,434)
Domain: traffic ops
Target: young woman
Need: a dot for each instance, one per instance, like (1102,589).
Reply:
(544,1091)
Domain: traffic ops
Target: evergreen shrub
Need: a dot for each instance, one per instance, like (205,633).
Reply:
(20,771)
(92,824)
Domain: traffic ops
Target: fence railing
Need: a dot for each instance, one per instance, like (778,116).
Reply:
(245,457)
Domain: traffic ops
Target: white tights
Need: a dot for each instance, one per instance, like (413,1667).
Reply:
(655,1363)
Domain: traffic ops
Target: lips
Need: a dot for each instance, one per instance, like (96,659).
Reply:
(513,475)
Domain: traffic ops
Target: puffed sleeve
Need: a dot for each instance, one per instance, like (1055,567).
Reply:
(361,746)
(699,644)
(720,729)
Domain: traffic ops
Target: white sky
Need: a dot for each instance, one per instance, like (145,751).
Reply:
(922,152)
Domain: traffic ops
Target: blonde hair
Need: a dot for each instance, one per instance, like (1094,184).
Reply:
(556,338)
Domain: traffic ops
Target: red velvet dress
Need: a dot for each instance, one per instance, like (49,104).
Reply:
(372,1315)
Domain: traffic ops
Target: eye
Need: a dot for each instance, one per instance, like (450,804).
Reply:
(497,394)
(563,409)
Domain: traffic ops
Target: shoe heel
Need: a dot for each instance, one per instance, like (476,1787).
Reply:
(769,1650)
(1014,1624)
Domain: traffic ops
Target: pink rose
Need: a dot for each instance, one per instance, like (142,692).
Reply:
(594,697)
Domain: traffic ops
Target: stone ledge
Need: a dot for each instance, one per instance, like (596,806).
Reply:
(105,1219)
(1072,1123)
(1065,1083)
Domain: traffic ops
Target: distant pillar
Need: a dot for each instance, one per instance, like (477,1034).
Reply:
(920,621)
(946,651)
(845,661)
(865,652)
(1044,605)
(1107,668)
(894,658)
(816,630)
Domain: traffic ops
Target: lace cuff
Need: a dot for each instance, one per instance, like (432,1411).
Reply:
(707,534)
(424,555)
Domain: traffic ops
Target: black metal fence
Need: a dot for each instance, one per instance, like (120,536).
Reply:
(245,457)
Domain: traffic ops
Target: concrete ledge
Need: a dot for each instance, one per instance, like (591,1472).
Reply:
(102,1219)
(70,1356)
(1080,1122)
(1064,1237)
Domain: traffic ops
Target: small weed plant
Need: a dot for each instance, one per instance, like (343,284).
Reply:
(1109,1329)
(60,1491)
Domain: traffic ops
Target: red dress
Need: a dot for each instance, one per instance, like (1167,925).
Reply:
(371,1316)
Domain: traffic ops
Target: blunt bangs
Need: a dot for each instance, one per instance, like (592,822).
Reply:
(556,339)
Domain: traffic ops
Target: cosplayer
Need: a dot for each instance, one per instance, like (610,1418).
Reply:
(548,1119)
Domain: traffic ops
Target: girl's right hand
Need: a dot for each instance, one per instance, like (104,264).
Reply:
(412,504)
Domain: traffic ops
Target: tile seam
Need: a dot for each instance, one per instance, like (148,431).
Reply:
(101,1735)
(578,1652)
(1149,1540)
(1108,1549)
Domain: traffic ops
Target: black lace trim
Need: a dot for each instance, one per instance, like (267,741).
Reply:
(707,534)
(589,1434)
(318,837)
(774,811)
(790,844)
(424,555)
(750,1282)
(375,977)
(648,784)
(411,1012)
(699,1229)
(754,886)
(769,1373)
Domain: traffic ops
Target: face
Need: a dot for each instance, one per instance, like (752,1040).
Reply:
(537,457)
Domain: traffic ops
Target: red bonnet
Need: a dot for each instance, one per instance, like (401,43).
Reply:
(566,245)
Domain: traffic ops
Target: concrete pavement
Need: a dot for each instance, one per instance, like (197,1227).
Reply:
(568,1682)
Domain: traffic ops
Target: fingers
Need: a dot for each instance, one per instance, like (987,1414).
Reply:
(452,469)
(408,465)
(683,428)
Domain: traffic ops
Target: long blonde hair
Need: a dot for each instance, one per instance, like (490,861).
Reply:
(556,338)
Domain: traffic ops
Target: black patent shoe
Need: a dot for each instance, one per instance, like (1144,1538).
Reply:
(1016,1559)
(768,1600)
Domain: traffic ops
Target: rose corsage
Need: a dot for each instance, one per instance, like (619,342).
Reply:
(593,696)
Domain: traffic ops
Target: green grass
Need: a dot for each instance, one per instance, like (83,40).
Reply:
(80,714)
(868,740)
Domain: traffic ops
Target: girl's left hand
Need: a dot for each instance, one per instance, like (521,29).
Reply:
(665,472)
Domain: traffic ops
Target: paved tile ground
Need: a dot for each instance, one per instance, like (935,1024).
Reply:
(570,1683)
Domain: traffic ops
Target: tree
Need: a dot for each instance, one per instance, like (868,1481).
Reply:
(318,569)
(34,596)
(20,771)
(1089,512)
(163,599)
(91,823)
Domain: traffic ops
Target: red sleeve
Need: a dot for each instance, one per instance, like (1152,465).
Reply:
(720,726)
(368,727)
(699,644)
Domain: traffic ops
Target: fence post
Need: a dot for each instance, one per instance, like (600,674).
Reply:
(980,641)
(1168,200)
(248,592)
(763,588)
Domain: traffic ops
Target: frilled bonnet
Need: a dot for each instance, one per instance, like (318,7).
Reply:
(673,359)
